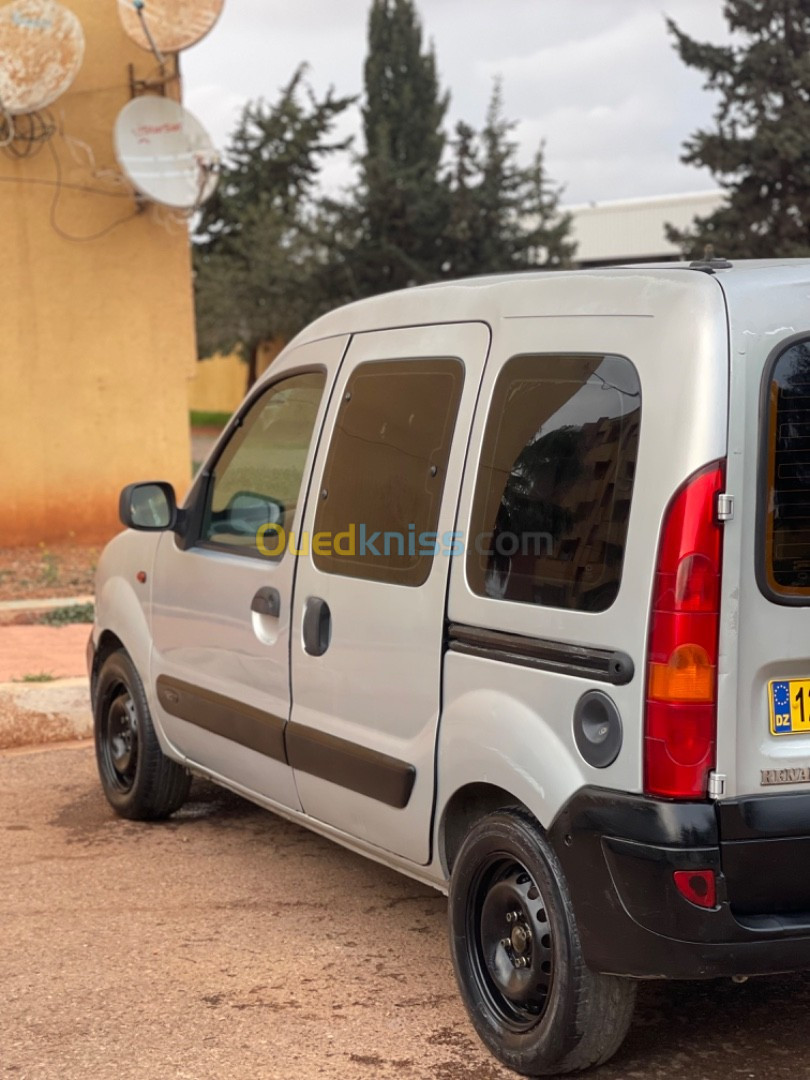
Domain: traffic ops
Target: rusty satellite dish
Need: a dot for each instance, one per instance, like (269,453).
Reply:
(41,51)
(166,153)
(173,24)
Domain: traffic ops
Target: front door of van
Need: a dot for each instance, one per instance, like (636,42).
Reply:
(368,621)
(222,604)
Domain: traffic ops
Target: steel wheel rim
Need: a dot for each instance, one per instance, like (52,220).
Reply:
(119,738)
(509,942)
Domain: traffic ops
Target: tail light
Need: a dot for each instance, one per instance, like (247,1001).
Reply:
(680,729)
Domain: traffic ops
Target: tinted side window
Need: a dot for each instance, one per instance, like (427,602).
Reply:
(257,477)
(385,472)
(552,498)
(787,508)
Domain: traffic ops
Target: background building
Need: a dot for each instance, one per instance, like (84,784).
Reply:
(98,337)
(634,230)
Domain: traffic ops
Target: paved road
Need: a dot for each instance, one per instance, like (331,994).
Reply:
(230,944)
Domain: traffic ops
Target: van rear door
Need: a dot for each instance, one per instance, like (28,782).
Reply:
(764,676)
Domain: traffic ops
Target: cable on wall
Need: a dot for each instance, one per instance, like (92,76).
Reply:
(59,185)
(30,133)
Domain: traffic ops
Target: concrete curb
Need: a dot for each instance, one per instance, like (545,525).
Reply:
(35,713)
(45,605)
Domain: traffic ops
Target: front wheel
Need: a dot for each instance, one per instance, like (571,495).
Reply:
(517,956)
(140,782)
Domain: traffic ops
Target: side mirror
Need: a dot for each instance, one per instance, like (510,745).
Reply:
(148,507)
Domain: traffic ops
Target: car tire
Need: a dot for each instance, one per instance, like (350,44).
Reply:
(140,782)
(516,952)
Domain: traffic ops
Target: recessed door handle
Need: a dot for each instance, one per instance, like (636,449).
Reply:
(317,626)
(267,601)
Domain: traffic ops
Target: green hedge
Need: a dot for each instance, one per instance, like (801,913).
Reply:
(209,419)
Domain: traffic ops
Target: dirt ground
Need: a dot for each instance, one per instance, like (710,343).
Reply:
(229,943)
(42,653)
(61,570)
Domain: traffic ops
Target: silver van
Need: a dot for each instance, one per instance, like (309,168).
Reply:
(504,583)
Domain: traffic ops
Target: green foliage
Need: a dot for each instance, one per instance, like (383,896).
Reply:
(759,149)
(261,253)
(200,419)
(271,253)
(40,677)
(71,613)
(504,217)
(49,574)
(398,220)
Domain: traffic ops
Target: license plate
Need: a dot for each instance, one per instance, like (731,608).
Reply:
(789,702)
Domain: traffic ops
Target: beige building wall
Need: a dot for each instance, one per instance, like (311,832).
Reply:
(220,382)
(97,341)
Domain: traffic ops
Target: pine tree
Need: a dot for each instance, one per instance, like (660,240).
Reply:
(759,150)
(402,208)
(262,247)
(504,216)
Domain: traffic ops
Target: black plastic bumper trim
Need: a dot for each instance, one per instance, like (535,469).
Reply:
(604,665)
(619,852)
(765,817)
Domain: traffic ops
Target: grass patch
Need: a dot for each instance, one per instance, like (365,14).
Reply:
(43,676)
(71,613)
(50,569)
(209,419)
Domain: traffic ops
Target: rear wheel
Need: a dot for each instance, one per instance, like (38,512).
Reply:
(517,956)
(140,782)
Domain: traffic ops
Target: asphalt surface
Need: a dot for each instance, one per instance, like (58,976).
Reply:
(229,943)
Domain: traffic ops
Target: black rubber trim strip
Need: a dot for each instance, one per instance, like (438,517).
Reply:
(257,730)
(604,665)
(355,767)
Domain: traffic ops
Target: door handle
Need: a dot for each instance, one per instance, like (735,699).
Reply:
(267,601)
(317,626)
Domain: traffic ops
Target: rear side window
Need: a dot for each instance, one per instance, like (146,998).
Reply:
(385,472)
(552,499)
(787,477)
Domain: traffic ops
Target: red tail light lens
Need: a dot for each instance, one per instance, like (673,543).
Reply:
(681,716)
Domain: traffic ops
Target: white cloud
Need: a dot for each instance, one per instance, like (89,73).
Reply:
(597,79)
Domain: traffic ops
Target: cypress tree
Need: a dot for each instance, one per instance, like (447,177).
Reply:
(759,149)
(402,209)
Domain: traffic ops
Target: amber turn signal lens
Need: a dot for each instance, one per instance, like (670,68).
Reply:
(687,677)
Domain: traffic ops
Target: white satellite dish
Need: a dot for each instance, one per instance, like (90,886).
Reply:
(173,24)
(166,152)
(41,51)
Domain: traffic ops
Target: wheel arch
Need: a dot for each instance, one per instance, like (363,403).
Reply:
(107,644)
(467,805)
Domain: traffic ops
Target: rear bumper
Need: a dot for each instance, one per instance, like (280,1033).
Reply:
(619,853)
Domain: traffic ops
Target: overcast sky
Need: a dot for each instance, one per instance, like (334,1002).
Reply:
(598,80)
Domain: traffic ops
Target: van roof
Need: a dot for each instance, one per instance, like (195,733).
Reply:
(634,289)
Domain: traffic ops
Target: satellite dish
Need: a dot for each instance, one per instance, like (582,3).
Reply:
(41,51)
(166,152)
(173,24)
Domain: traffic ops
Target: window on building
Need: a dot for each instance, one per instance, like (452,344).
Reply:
(552,499)
(386,468)
(257,477)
